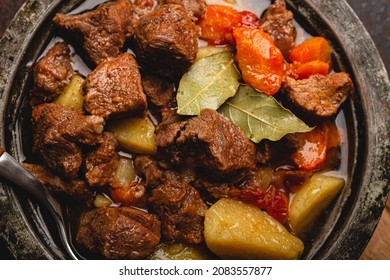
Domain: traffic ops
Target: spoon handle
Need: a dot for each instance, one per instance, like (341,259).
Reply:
(14,172)
(17,174)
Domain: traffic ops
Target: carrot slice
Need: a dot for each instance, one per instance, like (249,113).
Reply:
(315,48)
(312,149)
(259,60)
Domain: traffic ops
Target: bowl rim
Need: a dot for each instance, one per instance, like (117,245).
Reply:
(373,103)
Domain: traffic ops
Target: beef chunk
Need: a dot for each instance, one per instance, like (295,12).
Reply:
(58,131)
(158,91)
(278,22)
(166,41)
(103,162)
(114,88)
(75,190)
(269,151)
(177,204)
(119,233)
(141,8)
(103,31)
(52,73)
(318,95)
(195,8)
(209,141)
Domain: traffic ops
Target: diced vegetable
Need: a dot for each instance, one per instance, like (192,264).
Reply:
(259,60)
(210,50)
(305,70)
(312,149)
(219,22)
(135,134)
(179,252)
(133,195)
(314,48)
(125,173)
(126,188)
(102,200)
(272,201)
(234,229)
(312,198)
(72,96)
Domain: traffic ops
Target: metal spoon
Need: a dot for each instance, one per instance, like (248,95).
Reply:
(14,172)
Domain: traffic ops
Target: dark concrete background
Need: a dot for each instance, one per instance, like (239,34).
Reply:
(375,15)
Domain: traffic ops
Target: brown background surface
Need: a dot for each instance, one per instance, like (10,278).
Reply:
(376,17)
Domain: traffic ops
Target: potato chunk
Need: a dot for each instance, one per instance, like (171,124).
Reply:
(135,134)
(179,251)
(72,96)
(236,230)
(313,197)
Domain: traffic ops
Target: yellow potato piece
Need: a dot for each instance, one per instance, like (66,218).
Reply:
(135,134)
(313,197)
(72,96)
(179,251)
(236,230)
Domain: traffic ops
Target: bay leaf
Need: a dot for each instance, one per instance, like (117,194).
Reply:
(261,116)
(210,50)
(208,84)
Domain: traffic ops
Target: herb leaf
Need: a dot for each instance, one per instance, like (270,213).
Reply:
(208,84)
(260,116)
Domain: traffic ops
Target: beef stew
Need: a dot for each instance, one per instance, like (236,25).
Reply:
(194,152)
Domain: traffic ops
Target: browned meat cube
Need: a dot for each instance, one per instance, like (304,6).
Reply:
(278,22)
(102,163)
(209,141)
(195,8)
(75,190)
(119,233)
(141,8)
(52,73)
(114,88)
(103,31)
(177,204)
(58,131)
(166,41)
(318,95)
(157,90)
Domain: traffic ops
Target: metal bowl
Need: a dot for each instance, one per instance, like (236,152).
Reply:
(347,226)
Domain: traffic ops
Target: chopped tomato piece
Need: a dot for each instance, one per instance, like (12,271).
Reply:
(305,70)
(259,60)
(132,195)
(312,148)
(315,48)
(218,23)
(272,201)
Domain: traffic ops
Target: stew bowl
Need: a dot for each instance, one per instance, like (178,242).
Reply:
(348,224)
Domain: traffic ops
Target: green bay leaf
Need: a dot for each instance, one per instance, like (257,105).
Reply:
(208,84)
(261,116)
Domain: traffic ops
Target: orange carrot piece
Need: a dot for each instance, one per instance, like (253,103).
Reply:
(312,149)
(259,60)
(315,48)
